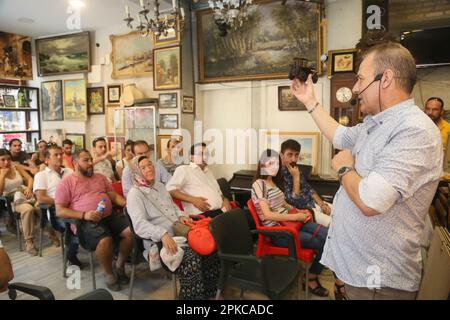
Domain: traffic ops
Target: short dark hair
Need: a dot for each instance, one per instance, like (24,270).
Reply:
(14,140)
(67,141)
(77,154)
(437,99)
(94,142)
(51,147)
(140,143)
(129,143)
(4,152)
(170,140)
(291,144)
(195,146)
(141,158)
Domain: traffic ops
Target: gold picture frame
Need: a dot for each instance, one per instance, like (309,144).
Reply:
(167,68)
(341,61)
(161,144)
(131,56)
(173,37)
(75,100)
(310,142)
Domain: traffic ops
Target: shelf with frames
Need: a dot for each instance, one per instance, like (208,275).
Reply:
(19,116)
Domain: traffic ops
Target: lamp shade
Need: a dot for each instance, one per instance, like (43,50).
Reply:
(129,95)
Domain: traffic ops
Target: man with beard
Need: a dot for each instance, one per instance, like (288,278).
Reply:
(434,108)
(77,197)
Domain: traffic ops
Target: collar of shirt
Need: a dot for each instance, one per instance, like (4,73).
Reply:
(195,166)
(61,173)
(384,116)
(442,124)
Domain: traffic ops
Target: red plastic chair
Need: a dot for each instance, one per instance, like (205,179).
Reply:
(266,247)
(117,186)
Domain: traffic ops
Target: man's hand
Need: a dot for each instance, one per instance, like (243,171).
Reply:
(201,204)
(325,208)
(185,220)
(169,244)
(293,170)
(93,216)
(343,159)
(226,204)
(304,91)
(28,193)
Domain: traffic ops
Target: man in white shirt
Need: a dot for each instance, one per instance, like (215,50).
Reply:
(44,186)
(197,187)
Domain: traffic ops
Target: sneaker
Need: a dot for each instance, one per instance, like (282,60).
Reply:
(112,283)
(120,274)
(32,251)
(75,262)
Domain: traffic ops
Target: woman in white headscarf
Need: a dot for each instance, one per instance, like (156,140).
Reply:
(153,213)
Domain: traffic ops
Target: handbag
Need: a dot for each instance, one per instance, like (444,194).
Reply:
(200,238)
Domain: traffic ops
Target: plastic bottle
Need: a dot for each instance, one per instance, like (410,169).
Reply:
(101,206)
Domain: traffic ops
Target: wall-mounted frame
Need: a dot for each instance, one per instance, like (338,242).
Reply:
(310,142)
(168,121)
(172,37)
(96,100)
(75,104)
(168,100)
(9,101)
(167,68)
(114,92)
(188,104)
(63,54)
(15,56)
(287,101)
(341,61)
(52,101)
(78,139)
(161,144)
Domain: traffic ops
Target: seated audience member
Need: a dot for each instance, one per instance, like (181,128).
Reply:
(172,160)
(271,206)
(77,197)
(103,162)
(67,155)
(44,187)
(6,271)
(434,108)
(18,156)
(196,186)
(12,185)
(153,213)
(298,192)
(128,155)
(37,162)
(140,148)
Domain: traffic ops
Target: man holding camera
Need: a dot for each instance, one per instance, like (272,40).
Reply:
(389,170)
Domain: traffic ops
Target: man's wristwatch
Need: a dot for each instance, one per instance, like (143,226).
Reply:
(343,171)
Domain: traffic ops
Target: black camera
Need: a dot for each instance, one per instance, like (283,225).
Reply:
(301,70)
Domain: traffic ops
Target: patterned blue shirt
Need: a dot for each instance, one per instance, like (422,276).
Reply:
(304,199)
(398,154)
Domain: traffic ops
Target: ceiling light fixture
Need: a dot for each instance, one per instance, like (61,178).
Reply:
(77,3)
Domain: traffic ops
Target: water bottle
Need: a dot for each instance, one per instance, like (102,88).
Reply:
(101,206)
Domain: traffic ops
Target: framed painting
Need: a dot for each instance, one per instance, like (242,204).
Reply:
(264,46)
(309,141)
(188,105)
(63,54)
(75,105)
(172,36)
(15,56)
(53,135)
(114,121)
(168,121)
(131,56)
(9,101)
(287,101)
(341,61)
(161,143)
(168,100)
(117,144)
(52,101)
(96,100)
(167,68)
(114,93)
(78,139)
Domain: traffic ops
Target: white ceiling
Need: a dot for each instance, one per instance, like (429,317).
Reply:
(50,16)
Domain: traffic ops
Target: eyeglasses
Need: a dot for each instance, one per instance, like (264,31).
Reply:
(51,144)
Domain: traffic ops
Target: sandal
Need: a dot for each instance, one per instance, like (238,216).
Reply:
(338,294)
(319,290)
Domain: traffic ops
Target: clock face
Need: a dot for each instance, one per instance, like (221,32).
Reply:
(344,94)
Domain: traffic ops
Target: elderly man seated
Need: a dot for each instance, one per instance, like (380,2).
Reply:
(197,187)
(78,196)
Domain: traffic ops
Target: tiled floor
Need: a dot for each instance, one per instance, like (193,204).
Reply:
(47,271)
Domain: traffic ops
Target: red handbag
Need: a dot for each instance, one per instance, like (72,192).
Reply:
(200,238)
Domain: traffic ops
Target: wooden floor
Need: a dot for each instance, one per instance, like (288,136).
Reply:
(47,271)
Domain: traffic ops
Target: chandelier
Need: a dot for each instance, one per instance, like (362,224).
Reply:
(231,13)
(157,25)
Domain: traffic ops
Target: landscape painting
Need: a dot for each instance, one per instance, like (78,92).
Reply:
(63,54)
(15,56)
(167,72)
(131,55)
(75,105)
(265,45)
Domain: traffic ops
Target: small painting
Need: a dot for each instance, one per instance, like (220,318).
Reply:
(341,61)
(114,93)
(172,36)
(167,68)
(9,100)
(75,105)
(52,102)
(96,100)
(188,105)
(287,101)
(15,56)
(78,140)
(168,121)
(168,100)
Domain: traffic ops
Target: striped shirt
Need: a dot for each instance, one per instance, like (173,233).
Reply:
(398,154)
(274,198)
